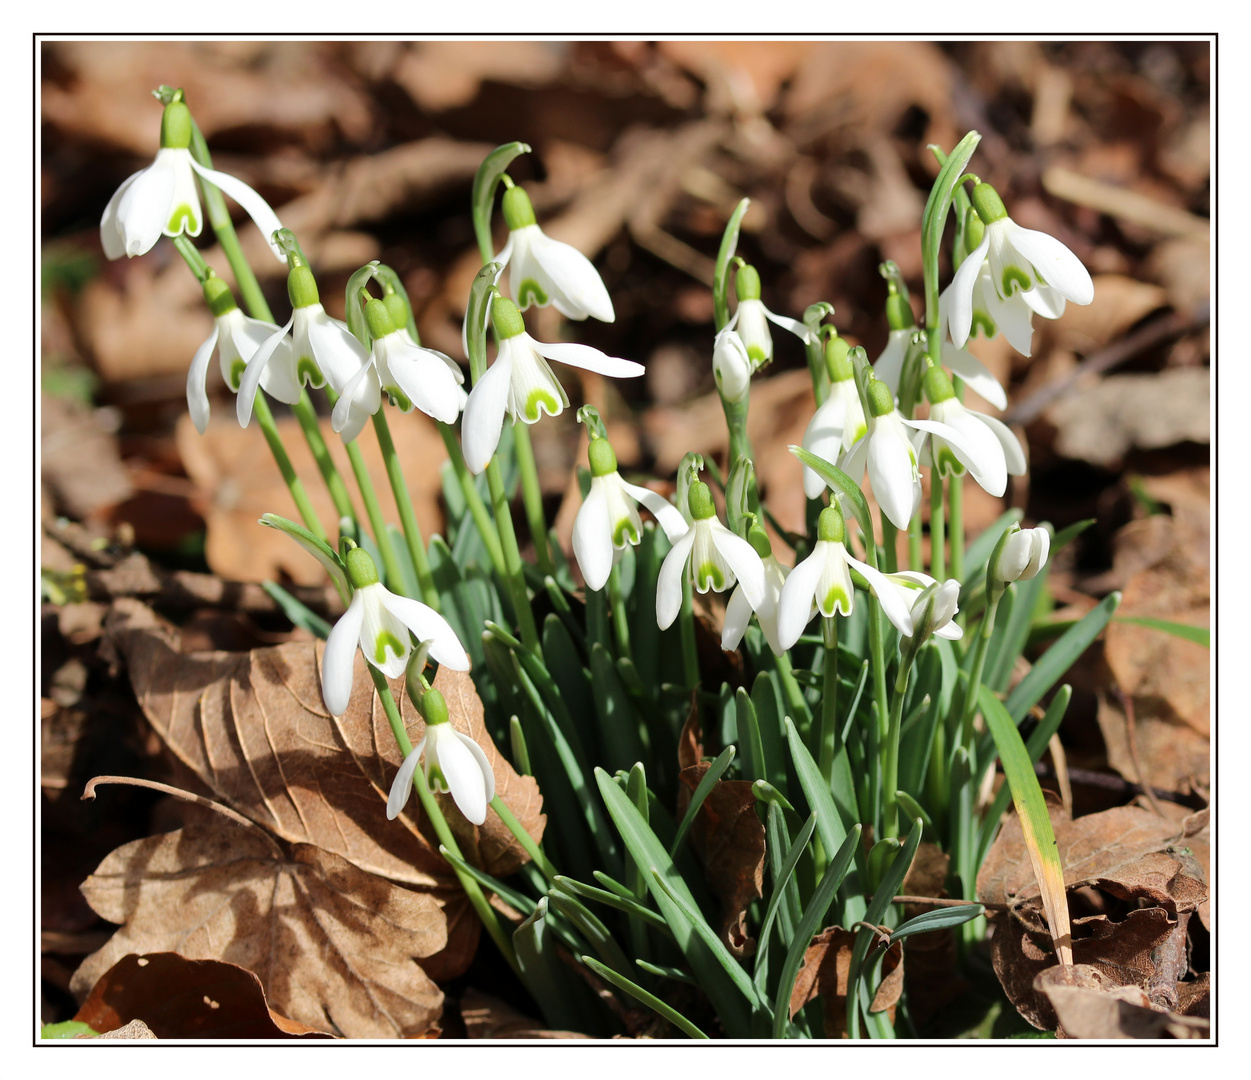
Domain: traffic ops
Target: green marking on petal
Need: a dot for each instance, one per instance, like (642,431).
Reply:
(436,780)
(947,463)
(757,355)
(537,401)
(237,368)
(982,324)
(530,291)
(398,398)
(1013,278)
(859,433)
(624,532)
(386,640)
(709,576)
(180,218)
(308,372)
(836,600)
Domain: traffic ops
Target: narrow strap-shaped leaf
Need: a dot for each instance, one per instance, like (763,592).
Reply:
(943,918)
(729,243)
(626,904)
(813,914)
(660,1008)
(1060,657)
(753,766)
(702,791)
(552,985)
(782,874)
(830,825)
(1200,635)
(667,972)
(591,928)
(1031,808)
(299,614)
(509,895)
(484,181)
(844,485)
(1012,632)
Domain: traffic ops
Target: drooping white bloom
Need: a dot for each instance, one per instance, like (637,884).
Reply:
(324,351)
(730,365)
(738,611)
(934,608)
(822,583)
(1014,260)
(1024,553)
(520,383)
(751,319)
(162,199)
(544,271)
(839,423)
(608,518)
(454,763)
(236,339)
(379,623)
(982,444)
(716,558)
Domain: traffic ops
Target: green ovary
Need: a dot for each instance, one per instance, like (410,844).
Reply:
(1013,278)
(537,401)
(709,575)
(182,217)
(386,640)
(530,291)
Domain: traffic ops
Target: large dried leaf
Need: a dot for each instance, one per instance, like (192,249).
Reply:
(179,998)
(335,948)
(825,974)
(253,727)
(1090,1006)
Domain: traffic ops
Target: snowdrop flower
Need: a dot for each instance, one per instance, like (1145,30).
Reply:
(822,583)
(521,384)
(544,271)
(454,763)
(236,339)
(839,423)
(407,373)
(889,366)
(751,319)
(1038,266)
(162,199)
(1023,554)
(731,365)
(933,609)
(379,622)
(323,351)
(716,557)
(608,518)
(982,444)
(738,611)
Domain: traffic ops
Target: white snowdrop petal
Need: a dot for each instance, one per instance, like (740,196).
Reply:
(337,661)
(668,515)
(589,359)
(197,382)
(795,604)
(258,209)
(1054,263)
(960,292)
(428,626)
(402,786)
(251,381)
(592,538)
(669,581)
(483,421)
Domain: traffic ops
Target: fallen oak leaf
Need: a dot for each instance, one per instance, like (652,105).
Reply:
(334,947)
(177,998)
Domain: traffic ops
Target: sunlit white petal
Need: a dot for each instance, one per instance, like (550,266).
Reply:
(402,786)
(669,581)
(338,660)
(429,626)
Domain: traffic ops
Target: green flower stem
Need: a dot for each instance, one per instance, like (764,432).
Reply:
(373,510)
(620,619)
(736,423)
(269,428)
(890,549)
(814,347)
(914,542)
(306,415)
(524,839)
(408,517)
(477,508)
(975,672)
(224,229)
(532,495)
(955,509)
(490,920)
(938,545)
(514,576)
(686,628)
(890,758)
(790,688)
(878,731)
(829,700)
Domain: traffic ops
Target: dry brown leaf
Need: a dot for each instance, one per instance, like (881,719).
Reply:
(240,482)
(932,979)
(334,947)
(488,1017)
(1088,1005)
(179,998)
(253,727)
(441,75)
(825,972)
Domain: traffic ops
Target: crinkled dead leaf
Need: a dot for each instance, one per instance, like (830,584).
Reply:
(488,1017)
(825,972)
(1132,880)
(1089,1005)
(179,998)
(932,978)
(334,947)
